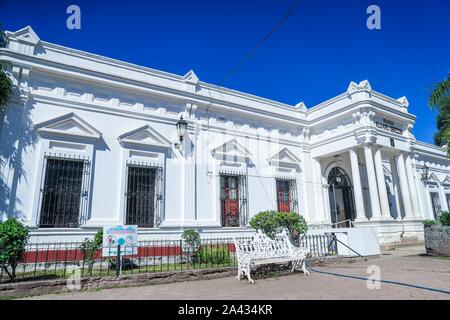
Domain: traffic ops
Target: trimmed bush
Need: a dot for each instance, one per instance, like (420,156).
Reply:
(271,222)
(444,219)
(13,241)
(429,222)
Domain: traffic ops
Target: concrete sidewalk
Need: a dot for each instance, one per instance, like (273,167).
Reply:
(407,265)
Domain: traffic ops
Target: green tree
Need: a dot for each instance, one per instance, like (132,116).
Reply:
(13,241)
(440,100)
(5,82)
(5,89)
(3,38)
(89,249)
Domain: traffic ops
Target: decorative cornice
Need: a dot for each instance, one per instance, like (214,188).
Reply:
(363,116)
(403,101)
(306,134)
(301,106)
(366,139)
(363,86)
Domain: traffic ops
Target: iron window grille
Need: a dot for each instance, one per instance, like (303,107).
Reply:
(143,196)
(338,180)
(233,200)
(436,202)
(447,196)
(287,200)
(64,192)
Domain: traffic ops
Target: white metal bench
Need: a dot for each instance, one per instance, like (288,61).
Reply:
(264,250)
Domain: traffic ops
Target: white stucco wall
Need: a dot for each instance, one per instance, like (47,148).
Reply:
(104,99)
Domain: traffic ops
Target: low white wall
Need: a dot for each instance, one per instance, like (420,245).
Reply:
(363,240)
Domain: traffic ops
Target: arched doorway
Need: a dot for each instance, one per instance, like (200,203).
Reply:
(342,204)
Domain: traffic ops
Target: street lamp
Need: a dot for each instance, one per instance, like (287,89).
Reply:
(425,171)
(181,128)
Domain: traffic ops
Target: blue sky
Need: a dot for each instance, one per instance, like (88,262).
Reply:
(321,48)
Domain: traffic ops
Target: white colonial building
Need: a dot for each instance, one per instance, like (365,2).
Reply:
(89,141)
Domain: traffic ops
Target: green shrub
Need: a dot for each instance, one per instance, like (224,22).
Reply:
(5,89)
(213,255)
(271,222)
(429,222)
(89,247)
(444,219)
(13,241)
(191,236)
(191,242)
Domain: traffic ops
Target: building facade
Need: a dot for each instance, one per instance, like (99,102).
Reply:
(88,141)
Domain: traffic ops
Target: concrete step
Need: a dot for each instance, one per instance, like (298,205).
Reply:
(411,242)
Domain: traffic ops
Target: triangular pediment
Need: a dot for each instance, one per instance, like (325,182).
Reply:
(144,136)
(69,125)
(191,77)
(446,180)
(433,178)
(28,35)
(284,156)
(231,150)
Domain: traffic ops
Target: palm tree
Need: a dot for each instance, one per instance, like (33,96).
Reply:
(440,100)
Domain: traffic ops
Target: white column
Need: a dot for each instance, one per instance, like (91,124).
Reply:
(384,201)
(359,200)
(373,189)
(404,188)
(320,205)
(412,187)
(395,183)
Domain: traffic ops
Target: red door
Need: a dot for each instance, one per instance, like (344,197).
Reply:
(283,196)
(230,201)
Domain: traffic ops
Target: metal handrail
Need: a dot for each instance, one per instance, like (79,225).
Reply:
(344,221)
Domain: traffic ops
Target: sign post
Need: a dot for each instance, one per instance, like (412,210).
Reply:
(119,241)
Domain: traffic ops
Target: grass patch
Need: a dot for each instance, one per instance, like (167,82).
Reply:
(52,274)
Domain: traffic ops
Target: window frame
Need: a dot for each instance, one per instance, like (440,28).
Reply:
(83,205)
(156,196)
(436,213)
(241,197)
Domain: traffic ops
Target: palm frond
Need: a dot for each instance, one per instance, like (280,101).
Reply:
(440,95)
(446,139)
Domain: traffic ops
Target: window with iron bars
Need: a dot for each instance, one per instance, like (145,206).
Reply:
(286,195)
(436,203)
(447,196)
(233,200)
(64,192)
(143,195)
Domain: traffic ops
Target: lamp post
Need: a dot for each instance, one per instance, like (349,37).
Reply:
(181,128)
(425,171)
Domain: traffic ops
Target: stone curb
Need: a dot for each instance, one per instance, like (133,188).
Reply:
(32,288)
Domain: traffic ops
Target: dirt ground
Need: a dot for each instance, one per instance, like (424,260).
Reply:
(407,265)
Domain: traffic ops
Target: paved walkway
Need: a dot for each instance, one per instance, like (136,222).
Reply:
(403,265)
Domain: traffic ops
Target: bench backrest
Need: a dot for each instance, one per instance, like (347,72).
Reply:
(261,246)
